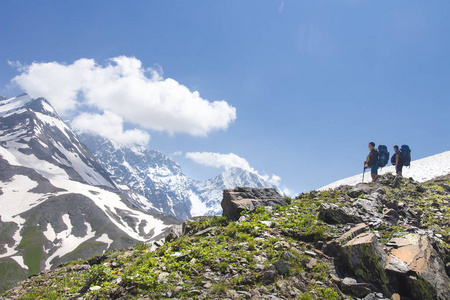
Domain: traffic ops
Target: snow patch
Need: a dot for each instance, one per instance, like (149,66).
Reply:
(20,262)
(13,103)
(50,233)
(15,198)
(104,238)
(198,208)
(67,241)
(420,170)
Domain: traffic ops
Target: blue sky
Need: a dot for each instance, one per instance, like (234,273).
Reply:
(295,89)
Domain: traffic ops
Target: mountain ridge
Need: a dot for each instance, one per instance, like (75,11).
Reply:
(57,202)
(160,180)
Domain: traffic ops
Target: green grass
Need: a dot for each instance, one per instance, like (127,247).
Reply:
(31,245)
(229,251)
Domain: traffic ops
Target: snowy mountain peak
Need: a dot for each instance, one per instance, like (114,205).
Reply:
(160,180)
(13,104)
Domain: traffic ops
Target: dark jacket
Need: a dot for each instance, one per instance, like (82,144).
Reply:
(372,159)
(397,158)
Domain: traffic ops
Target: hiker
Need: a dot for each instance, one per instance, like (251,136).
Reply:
(397,161)
(372,161)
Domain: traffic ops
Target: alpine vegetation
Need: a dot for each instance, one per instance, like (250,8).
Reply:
(384,240)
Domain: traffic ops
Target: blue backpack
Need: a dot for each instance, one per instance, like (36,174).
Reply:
(383,155)
(406,155)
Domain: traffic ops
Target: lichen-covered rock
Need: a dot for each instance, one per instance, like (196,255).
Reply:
(428,279)
(365,258)
(332,248)
(246,198)
(333,214)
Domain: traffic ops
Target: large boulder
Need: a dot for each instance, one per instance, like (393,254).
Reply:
(246,198)
(333,248)
(365,258)
(333,214)
(418,267)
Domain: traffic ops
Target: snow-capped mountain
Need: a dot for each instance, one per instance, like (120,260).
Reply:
(210,192)
(56,201)
(420,170)
(149,173)
(160,180)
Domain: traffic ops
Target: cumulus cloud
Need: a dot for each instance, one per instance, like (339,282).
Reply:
(125,88)
(109,126)
(230,160)
(218,160)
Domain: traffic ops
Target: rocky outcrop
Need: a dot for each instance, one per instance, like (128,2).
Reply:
(364,257)
(418,267)
(409,266)
(246,198)
(333,214)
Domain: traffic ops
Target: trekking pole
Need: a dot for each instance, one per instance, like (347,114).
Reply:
(364,171)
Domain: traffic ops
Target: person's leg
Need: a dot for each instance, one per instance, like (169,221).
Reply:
(374,172)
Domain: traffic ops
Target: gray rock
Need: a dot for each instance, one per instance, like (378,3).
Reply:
(176,231)
(246,198)
(417,252)
(333,214)
(391,216)
(269,275)
(396,265)
(365,258)
(283,267)
(352,286)
(369,205)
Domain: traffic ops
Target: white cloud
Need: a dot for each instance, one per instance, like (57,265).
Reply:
(274,179)
(109,126)
(219,160)
(125,88)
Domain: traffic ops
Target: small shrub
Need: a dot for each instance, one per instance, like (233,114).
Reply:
(231,229)
(220,288)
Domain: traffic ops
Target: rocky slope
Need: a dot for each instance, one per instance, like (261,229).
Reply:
(384,240)
(161,183)
(57,202)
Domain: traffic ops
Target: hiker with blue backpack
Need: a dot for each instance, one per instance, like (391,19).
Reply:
(397,161)
(401,158)
(371,161)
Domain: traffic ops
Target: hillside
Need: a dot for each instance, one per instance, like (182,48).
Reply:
(57,202)
(334,244)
